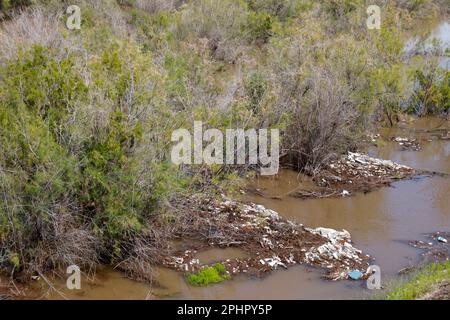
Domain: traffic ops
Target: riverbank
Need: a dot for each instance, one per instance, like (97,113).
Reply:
(429,283)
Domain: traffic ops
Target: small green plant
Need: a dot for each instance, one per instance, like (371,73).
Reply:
(208,275)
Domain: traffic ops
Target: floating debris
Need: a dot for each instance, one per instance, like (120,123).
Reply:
(373,137)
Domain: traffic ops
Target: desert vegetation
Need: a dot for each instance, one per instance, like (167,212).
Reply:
(87,115)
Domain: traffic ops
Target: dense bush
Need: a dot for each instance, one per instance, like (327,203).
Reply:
(431,92)
(40,179)
(50,181)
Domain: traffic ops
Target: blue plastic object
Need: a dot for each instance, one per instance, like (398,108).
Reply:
(355,275)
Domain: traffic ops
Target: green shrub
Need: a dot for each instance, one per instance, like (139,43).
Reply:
(339,8)
(256,87)
(65,169)
(259,26)
(47,87)
(42,179)
(432,92)
(387,85)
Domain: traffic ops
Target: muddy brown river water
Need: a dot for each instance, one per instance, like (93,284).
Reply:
(379,222)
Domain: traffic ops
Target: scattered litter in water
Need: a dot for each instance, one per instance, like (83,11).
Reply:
(435,251)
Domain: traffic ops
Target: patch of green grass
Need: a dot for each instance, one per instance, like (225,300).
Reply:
(208,275)
(421,283)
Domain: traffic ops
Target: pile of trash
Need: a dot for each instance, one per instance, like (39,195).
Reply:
(407,144)
(270,241)
(355,172)
(337,251)
(366,166)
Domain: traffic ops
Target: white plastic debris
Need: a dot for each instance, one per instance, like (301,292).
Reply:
(273,262)
(442,239)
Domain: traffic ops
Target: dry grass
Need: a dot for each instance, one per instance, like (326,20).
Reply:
(155,6)
(66,241)
(27,28)
(52,242)
(217,25)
